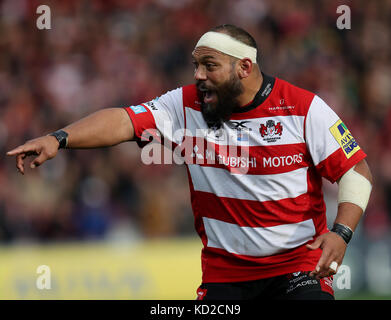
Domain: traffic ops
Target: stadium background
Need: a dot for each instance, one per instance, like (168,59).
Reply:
(110,227)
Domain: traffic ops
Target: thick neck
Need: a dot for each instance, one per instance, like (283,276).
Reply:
(252,86)
(260,96)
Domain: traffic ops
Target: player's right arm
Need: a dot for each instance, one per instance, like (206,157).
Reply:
(106,127)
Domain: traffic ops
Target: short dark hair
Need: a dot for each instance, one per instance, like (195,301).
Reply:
(237,33)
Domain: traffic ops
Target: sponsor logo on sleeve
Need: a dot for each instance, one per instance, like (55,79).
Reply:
(151,105)
(344,138)
(138,109)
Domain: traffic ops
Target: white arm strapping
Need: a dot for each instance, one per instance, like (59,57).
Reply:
(354,188)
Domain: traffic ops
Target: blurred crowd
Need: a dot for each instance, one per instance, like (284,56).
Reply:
(102,53)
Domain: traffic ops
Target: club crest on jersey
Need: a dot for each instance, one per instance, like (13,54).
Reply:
(271,132)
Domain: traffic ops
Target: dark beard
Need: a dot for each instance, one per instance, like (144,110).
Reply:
(227,94)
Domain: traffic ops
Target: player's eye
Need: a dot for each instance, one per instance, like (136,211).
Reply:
(210,66)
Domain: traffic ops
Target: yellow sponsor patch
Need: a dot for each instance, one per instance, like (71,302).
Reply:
(344,138)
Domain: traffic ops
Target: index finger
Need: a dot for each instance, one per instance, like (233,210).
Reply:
(19,150)
(321,266)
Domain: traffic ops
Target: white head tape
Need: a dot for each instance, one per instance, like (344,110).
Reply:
(228,45)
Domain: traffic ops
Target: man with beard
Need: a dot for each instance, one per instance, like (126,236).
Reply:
(226,94)
(263,229)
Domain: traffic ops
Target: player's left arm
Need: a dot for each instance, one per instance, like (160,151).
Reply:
(354,188)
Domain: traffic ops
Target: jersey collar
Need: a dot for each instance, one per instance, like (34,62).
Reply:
(261,96)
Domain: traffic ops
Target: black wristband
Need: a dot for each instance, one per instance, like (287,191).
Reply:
(62,138)
(343,231)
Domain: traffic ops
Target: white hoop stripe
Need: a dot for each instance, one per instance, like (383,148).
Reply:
(228,45)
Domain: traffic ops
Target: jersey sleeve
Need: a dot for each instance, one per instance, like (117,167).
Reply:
(332,147)
(159,119)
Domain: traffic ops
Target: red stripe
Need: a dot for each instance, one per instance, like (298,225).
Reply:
(336,164)
(220,266)
(255,160)
(250,213)
(141,121)
(326,285)
(196,107)
(190,97)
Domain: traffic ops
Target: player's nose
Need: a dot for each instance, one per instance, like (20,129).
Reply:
(199,73)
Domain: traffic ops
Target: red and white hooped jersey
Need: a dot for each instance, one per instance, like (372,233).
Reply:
(255,183)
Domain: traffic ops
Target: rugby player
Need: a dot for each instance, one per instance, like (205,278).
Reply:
(263,228)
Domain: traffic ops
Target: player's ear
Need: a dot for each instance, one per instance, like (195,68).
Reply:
(245,67)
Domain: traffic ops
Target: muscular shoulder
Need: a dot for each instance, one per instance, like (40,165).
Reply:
(294,96)
(171,99)
(190,97)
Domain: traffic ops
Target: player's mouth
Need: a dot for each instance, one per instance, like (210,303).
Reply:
(209,96)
